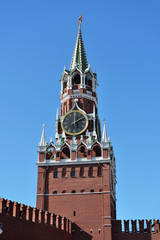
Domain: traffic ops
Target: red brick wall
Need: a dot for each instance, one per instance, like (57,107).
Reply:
(135,231)
(92,210)
(23,222)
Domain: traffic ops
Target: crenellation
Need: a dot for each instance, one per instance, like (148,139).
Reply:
(42,216)
(141,226)
(134,226)
(23,209)
(156,226)
(16,209)
(9,207)
(35,215)
(126,226)
(29,213)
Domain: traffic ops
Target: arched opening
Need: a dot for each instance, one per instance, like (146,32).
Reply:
(64,191)
(81,172)
(73,191)
(82,190)
(76,79)
(64,172)
(90,173)
(82,152)
(96,151)
(88,82)
(51,152)
(65,154)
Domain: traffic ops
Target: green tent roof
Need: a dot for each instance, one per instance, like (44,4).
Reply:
(79,59)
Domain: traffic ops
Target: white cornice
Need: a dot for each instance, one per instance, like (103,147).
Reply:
(84,193)
(72,162)
(79,95)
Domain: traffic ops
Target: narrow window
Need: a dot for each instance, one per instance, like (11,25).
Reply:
(74,213)
(55,174)
(99,171)
(82,191)
(82,172)
(76,79)
(90,172)
(73,173)
(64,172)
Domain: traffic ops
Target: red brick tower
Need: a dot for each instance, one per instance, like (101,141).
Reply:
(76,175)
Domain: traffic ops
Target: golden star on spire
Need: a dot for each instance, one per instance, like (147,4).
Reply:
(80,20)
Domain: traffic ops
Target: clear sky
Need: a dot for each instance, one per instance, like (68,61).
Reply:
(122,41)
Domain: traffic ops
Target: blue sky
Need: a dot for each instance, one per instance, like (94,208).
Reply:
(121,40)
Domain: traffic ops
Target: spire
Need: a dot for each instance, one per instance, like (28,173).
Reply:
(43,138)
(79,59)
(104,137)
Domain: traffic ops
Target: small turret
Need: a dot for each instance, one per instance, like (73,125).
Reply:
(42,144)
(104,137)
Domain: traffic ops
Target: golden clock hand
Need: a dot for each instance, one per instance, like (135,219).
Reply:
(77,120)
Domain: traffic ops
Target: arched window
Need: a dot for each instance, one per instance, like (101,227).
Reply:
(73,191)
(73,172)
(90,171)
(50,154)
(55,173)
(81,172)
(64,191)
(99,173)
(96,151)
(76,79)
(64,172)
(82,152)
(92,190)
(82,149)
(82,190)
(54,192)
(65,154)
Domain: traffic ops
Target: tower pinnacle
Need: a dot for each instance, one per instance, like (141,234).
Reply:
(79,59)
(43,138)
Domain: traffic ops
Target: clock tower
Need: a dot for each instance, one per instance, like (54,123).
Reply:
(77,173)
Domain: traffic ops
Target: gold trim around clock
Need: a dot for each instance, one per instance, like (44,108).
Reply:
(78,133)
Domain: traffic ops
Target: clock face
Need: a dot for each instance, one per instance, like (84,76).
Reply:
(74,122)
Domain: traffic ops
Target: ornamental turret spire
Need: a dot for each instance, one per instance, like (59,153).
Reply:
(79,59)
(104,137)
(43,138)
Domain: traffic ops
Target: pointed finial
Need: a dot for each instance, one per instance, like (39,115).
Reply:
(51,140)
(43,138)
(80,21)
(104,137)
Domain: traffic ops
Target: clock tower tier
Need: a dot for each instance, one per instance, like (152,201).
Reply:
(77,173)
